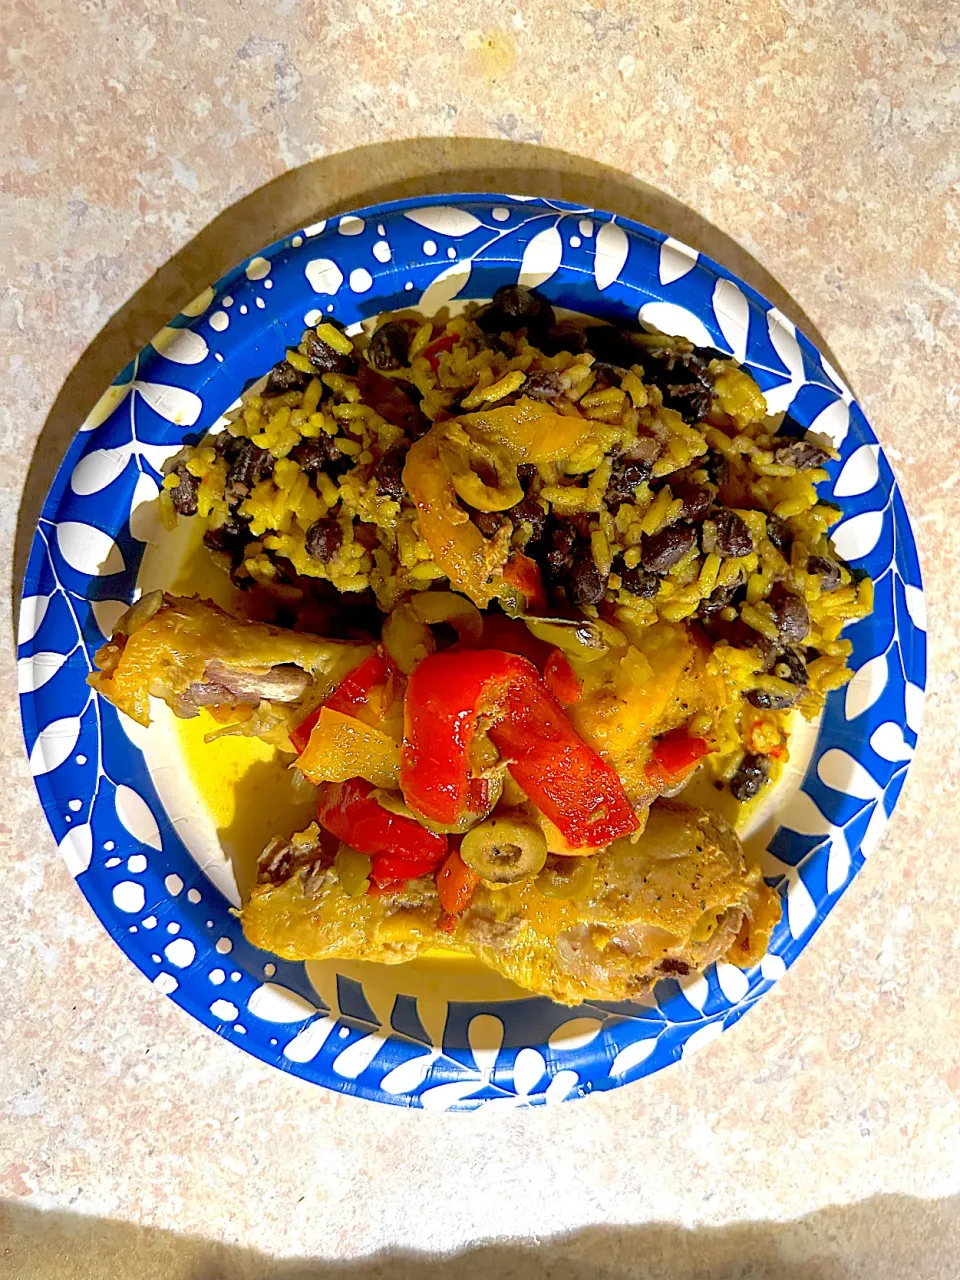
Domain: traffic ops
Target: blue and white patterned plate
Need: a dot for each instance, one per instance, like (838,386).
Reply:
(408,1046)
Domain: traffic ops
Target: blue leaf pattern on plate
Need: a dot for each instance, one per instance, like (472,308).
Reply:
(98,795)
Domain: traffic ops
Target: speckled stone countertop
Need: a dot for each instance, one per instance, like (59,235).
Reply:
(811,147)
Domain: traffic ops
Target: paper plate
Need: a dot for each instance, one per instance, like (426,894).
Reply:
(402,1035)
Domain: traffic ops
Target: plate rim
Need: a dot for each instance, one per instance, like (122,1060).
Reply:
(184,993)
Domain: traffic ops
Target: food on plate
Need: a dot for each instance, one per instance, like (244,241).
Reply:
(665,905)
(191,654)
(565,568)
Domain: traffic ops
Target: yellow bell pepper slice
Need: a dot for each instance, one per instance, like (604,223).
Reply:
(342,747)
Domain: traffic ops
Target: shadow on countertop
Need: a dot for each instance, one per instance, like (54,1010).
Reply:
(883,1238)
(349,180)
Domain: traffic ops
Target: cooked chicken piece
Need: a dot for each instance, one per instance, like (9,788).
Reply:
(632,696)
(225,684)
(191,654)
(679,898)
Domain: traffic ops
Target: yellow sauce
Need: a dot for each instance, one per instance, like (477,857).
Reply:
(247,788)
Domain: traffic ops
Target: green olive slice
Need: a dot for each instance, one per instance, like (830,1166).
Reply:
(407,637)
(504,850)
(483,475)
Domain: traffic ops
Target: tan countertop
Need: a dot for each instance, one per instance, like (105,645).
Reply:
(146,148)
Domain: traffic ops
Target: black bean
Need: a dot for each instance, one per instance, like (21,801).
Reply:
(609,374)
(323,539)
(184,496)
(543,385)
(716,467)
(828,570)
(778,531)
(792,618)
(802,454)
(516,307)
(503,343)
(696,499)
(397,401)
(765,701)
(559,539)
(637,581)
(488,522)
(226,445)
(766,648)
(283,378)
(524,307)
(529,511)
(661,551)
(228,539)
(585,584)
(560,542)
(250,465)
(680,365)
(563,337)
(790,666)
(312,456)
(733,536)
(562,538)
(390,345)
(625,474)
(520,302)
(323,357)
(720,598)
(692,400)
(750,779)
(389,473)
(368,535)
(682,379)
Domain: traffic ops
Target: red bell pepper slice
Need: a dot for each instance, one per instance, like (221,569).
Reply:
(355,688)
(431,353)
(446,696)
(389,868)
(456,883)
(347,810)
(523,574)
(300,736)
(561,679)
(480,800)
(350,695)
(674,755)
